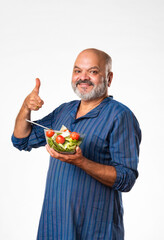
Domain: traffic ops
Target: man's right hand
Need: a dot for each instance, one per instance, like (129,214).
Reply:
(33,101)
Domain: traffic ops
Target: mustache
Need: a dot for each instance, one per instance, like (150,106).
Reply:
(84,81)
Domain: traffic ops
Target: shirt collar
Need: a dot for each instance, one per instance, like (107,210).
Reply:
(93,113)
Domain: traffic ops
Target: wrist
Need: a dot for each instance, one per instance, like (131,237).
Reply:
(82,163)
(25,108)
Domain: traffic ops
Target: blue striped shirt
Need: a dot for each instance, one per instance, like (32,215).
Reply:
(77,206)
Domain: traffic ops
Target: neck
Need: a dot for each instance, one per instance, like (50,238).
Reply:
(87,106)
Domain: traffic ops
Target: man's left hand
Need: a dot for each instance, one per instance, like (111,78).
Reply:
(76,159)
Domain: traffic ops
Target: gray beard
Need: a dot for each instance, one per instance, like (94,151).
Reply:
(96,92)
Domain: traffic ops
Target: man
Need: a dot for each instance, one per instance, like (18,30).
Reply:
(83,191)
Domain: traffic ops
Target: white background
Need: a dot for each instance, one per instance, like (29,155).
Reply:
(42,39)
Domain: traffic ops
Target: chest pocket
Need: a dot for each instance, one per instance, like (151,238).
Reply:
(97,149)
(100,143)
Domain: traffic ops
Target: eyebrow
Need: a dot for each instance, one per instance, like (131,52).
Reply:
(94,67)
(76,67)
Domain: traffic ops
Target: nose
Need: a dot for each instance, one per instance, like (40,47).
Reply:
(84,75)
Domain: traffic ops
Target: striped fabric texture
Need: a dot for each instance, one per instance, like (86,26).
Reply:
(76,206)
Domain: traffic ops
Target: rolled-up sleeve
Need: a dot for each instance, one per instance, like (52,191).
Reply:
(20,143)
(125,139)
(36,138)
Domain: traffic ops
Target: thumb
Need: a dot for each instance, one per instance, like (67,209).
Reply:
(78,150)
(37,86)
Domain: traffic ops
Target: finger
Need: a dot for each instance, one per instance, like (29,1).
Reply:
(51,151)
(78,150)
(37,85)
(54,154)
(37,108)
(34,105)
(37,100)
(48,148)
(40,101)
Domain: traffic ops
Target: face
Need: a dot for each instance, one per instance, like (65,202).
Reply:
(89,78)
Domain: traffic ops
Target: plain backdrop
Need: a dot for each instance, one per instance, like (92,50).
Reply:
(42,39)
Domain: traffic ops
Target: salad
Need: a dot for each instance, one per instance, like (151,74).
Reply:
(63,141)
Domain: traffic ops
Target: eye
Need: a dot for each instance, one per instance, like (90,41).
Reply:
(76,71)
(94,72)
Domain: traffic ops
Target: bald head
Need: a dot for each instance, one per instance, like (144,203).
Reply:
(92,74)
(104,57)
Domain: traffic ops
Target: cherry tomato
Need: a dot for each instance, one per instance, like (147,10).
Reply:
(50,133)
(60,139)
(74,136)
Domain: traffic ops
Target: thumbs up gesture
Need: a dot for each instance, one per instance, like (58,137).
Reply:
(33,101)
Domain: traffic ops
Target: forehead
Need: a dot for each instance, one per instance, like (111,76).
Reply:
(89,59)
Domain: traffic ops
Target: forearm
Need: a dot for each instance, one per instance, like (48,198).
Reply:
(118,177)
(31,103)
(103,173)
(22,128)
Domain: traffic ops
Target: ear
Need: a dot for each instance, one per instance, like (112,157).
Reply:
(109,77)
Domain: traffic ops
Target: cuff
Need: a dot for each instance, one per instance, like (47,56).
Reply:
(125,179)
(20,143)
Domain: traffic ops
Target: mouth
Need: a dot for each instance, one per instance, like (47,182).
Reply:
(84,83)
